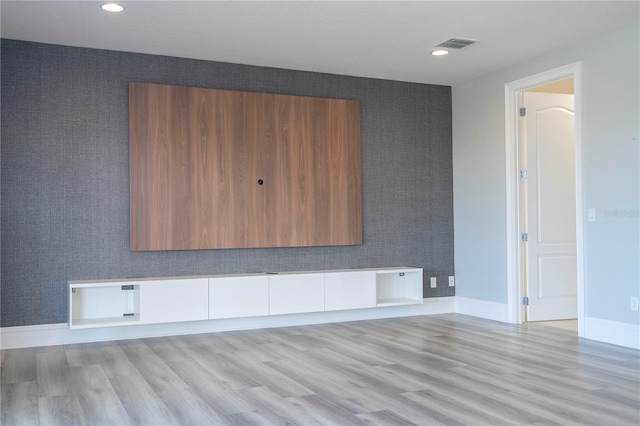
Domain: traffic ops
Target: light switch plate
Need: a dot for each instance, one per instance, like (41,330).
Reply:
(433,282)
(452,281)
(591,214)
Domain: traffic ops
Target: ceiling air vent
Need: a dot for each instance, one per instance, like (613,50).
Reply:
(457,43)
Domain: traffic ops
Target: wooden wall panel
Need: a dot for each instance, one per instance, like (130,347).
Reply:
(197,156)
(187,161)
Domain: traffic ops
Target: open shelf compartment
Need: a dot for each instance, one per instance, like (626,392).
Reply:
(399,287)
(114,304)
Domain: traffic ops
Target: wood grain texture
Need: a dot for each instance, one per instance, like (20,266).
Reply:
(442,369)
(196,156)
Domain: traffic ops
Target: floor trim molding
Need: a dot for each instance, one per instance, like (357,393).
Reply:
(482,309)
(613,332)
(60,334)
(617,333)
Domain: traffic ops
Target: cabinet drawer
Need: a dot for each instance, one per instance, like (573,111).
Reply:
(174,300)
(234,297)
(349,290)
(296,293)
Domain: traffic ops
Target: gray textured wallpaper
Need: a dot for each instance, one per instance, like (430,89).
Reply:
(65,174)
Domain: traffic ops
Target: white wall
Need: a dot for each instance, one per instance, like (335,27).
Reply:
(611,158)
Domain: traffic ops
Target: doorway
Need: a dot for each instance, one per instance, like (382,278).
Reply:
(547,202)
(548,267)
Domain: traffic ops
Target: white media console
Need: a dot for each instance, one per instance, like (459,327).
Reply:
(176,299)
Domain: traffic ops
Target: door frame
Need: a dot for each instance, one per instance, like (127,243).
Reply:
(515,279)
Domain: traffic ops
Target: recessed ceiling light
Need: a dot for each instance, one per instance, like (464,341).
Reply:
(112,7)
(440,52)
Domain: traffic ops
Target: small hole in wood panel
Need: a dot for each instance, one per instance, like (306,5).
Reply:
(260,181)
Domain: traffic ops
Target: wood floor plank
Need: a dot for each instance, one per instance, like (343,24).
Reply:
(219,367)
(53,374)
(19,366)
(552,414)
(46,349)
(446,369)
(114,361)
(603,380)
(97,398)
(576,396)
(456,410)
(336,390)
(325,410)
(466,356)
(189,408)
(80,355)
(275,408)
(61,410)
(315,363)
(274,351)
(413,357)
(249,418)
(412,380)
(108,355)
(214,343)
(267,377)
(587,404)
(158,374)
(19,403)
(221,398)
(530,355)
(141,402)
(356,397)
(260,353)
(350,348)
(625,397)
(384,417)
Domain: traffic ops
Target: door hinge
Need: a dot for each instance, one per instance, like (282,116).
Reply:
(127,287)
(525,236)
(523,174)
(523,112)
(525,301)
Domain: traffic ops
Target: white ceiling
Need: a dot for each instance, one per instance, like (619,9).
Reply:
(380,39)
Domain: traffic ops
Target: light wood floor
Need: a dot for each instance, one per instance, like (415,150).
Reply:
(441,369)
(571,324)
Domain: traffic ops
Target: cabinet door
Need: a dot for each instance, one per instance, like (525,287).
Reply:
(296,293)
(349,290)
(234,297)
(174,300)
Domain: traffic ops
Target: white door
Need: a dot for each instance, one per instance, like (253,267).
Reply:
(550,212)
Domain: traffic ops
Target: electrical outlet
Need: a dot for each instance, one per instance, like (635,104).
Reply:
(634,304)
(452,281)
(433,282)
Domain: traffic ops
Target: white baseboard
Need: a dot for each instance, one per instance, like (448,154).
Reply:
(613,332)
(617,333)
(60,334)
(482,309)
